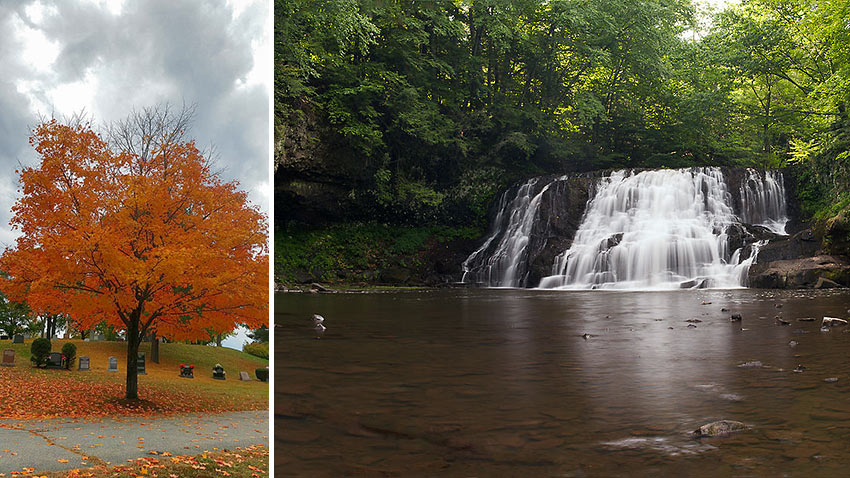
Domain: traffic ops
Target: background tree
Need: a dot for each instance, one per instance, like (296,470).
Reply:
(139,235)
(15,317)
(259,335)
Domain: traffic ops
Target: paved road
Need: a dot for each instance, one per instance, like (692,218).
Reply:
(40,444)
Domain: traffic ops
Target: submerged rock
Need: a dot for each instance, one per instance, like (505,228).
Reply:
(735,318)
(719,428)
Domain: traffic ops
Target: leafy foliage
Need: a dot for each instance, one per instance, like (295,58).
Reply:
(39,351)
(257,349)
(354,251)
(69,350)
(15,317)
(438,105)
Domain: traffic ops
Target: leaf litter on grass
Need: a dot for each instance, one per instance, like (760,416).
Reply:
(27,395)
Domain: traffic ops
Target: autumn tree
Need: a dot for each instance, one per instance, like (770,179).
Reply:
(133,229)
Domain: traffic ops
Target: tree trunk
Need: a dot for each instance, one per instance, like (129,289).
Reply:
(155,349)
(133,340)
(218,340)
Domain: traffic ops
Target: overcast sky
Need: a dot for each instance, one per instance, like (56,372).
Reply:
(106,57)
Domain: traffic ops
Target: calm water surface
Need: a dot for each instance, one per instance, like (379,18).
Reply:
(502,383)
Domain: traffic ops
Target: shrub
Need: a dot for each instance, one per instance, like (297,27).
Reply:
(40,349)
(262,374)
(257,349)
(69,350)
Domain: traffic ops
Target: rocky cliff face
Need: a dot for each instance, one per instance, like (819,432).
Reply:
(313,176)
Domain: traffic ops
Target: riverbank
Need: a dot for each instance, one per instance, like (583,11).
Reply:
(369,254)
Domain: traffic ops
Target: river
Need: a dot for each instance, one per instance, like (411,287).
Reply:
(504,382)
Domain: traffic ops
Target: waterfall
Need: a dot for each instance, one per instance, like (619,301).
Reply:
(651,229)
(763,200)
(508,240)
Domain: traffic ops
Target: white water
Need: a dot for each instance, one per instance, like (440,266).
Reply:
(659,229)
(763,200)
(650,230)
(513,224)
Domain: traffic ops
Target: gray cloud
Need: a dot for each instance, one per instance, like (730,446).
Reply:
(154,51)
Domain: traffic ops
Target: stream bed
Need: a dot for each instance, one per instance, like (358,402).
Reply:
(516,382)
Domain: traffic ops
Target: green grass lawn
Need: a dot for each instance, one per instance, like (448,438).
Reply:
(162,378)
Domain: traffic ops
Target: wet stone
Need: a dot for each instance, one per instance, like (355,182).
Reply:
(719,428)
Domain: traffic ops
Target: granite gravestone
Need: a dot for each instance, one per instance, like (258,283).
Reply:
(84,364)
(187,371)
(244,376)
(54,360)
(18,339)
(140,365)
(113,365)
(218,372)
(8,358)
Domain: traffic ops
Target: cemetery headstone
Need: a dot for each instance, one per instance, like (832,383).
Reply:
(84,363)
(8,358)
(218,372)
(18,339)
(113,364)
(54,360)
(140,365)
(244,376)
(187,371)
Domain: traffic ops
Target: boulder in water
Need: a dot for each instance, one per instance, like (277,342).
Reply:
(719,428)
(735,318)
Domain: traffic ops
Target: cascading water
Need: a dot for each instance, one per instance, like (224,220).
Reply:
(652,229)
(505,267)
(763,200)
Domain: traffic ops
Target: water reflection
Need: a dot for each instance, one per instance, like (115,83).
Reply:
(502,382)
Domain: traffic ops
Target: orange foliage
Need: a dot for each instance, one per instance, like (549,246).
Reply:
(154,243)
